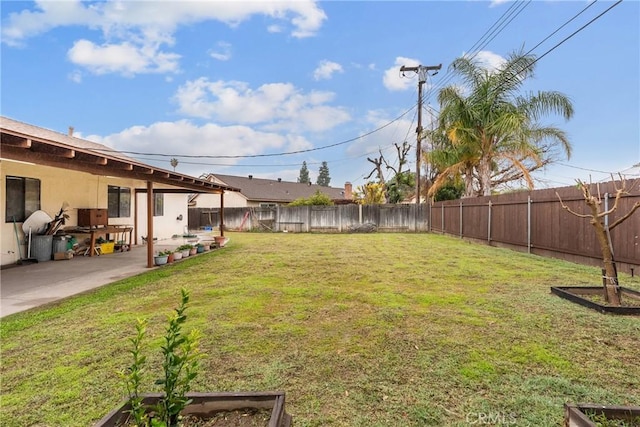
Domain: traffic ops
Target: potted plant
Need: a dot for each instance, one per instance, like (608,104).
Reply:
(186,249)
(199,248)
(161,258)
(177,255)
(176,405)
(193,250)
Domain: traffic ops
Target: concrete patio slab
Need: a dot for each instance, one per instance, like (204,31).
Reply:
(26,286)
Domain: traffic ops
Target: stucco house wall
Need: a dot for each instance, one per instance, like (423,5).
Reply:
(232,199)
(82,190)
(173,221)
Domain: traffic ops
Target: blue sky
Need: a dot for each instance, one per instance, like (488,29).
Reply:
(196,80)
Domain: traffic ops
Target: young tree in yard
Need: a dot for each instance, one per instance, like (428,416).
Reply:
(489,130)
(597,217)
(323,175)
(402,182)
(401,186)
(372,193)
(304,174)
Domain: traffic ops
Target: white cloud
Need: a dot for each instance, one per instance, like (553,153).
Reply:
(489,60)
(125,58)
(75,76)
(186,138)
(274,106)
(495,3)
(393,79)
(223,53)
(326,69)
(145,26)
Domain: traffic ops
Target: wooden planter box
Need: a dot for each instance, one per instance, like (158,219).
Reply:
(575,294)
(206,405)
(576,415)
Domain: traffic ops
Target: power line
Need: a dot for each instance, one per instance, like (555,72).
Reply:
(576,32)
(260,155)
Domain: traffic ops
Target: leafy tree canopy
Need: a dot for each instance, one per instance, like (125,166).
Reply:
(318,199)
(323,175)
(372,193)
(304,174)
(489,132)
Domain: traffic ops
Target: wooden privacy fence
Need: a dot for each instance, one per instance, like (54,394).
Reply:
(530,221)
(536,222)
(336,219)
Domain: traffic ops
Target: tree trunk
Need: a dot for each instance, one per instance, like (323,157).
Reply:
(484,172)
(468,183)
(611,289)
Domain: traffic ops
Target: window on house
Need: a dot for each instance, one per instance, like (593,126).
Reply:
(268,205)
(119,202)
(22,198)
(158,204)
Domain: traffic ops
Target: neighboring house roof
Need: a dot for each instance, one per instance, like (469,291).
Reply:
(271,190)
(24,142)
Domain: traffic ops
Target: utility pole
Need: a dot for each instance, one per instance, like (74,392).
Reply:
(422,71)
(422,78)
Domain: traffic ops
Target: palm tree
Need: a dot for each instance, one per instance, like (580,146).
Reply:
(490,128)
(174,163)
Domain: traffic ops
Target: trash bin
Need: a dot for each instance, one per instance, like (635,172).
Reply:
(41,247)
(59,244)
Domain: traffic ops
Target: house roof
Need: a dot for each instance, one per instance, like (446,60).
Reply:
(271,190)
(27,143)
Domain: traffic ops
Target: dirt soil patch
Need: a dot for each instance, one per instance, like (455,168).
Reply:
(250,417)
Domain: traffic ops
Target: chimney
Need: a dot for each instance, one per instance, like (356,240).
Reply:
(250,176)
(348,191)
(70,130)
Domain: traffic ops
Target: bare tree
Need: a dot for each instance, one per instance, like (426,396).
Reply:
(597,219)
(378,168)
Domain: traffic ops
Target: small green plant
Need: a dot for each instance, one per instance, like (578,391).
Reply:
(185,247)
(180,364)
(133,375)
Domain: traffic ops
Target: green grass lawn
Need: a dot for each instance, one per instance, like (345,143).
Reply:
(358,330)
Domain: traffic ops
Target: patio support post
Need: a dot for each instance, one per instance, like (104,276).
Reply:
(150,207)
(222,213)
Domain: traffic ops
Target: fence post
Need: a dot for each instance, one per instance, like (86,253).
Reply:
(489,224)
(460,218)
(429,221)
(442,217)
(359,214)
(528,224)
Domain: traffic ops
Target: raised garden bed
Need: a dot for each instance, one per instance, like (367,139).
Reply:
(208,406)
(584,295)
(590,415)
